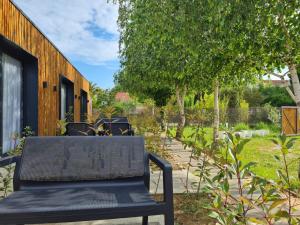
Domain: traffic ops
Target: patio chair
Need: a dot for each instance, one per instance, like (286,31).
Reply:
(116,126)
(115,119)
(116,129)
(80,129)
(68,179)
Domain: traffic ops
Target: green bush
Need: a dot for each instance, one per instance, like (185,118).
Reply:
(241,126)
(273,128)
(262,126)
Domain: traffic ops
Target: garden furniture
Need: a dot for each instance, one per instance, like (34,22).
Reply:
(116,126)
(80,129)
(84,178)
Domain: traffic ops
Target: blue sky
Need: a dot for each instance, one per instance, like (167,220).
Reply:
(86,32)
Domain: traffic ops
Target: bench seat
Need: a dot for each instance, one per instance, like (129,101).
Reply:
(88,202)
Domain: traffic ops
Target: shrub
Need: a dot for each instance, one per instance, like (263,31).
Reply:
(241,126)
(262,126)
(274,128)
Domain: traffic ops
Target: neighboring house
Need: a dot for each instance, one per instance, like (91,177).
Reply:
(277,83)
(38,85)
(122,97)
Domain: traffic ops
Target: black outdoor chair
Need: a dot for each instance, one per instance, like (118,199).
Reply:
(80,129)
(116,119)
(68,179)
(116,126)
(116,129)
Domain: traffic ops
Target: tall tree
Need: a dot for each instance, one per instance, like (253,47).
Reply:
(157,50)
(272,29)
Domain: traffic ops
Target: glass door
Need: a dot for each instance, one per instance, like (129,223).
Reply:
(63,101)
(11,101)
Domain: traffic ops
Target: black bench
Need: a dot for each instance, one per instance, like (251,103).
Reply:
(80,129)
(68,179)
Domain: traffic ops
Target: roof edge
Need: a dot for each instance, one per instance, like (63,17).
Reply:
(45,36)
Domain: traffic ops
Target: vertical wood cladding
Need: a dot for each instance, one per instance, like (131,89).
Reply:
(15,27)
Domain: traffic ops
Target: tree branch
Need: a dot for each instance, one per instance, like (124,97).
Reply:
(281,76)
(291,93)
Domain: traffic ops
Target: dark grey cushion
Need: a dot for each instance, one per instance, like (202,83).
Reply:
(72,199)
(82,158)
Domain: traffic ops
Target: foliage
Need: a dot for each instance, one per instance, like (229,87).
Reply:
(262,126)
(6,172)
(122,108)
(276,96)
(201,151)
(61,127)
(241,126)
(284,183)
(233,94)
(273,114)
(244,111)
(253,96)
(100,97)
(260,95)
(253,192)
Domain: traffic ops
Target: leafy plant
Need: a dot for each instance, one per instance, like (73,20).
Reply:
(7,171)
(61,127)
(241,126)
(284,183)
(227,208)
(262,126)
(275,201)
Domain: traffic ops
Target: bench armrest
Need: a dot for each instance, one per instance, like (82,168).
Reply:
(167,176)
(8,160)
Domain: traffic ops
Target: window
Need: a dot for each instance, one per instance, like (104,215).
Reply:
(83,106)
(11,101)
(66,99)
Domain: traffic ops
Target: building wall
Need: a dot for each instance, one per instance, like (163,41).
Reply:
(15,27)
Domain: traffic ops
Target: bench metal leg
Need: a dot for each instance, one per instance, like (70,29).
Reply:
(169,219)
(145,220)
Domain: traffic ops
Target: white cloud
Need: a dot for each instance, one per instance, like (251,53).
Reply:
(83,30)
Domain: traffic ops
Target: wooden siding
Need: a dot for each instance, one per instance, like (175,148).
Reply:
(15,27)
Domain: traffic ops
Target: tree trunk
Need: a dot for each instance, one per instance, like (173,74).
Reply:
(295,83)
(180,101)
(216,112)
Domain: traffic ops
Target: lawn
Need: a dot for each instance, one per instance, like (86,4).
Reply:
(261,150)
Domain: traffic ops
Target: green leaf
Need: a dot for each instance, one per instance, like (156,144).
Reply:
(248,165)
(290,143)
(276,157)
(282,214)
(277,203)
(255,220)
(241,144)
(275,141)
(213,215)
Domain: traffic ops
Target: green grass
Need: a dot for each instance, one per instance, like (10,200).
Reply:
(261,150)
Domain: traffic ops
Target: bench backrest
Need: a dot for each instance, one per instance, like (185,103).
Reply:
(82,158)
(80,129)
(117,128)
(113,119)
